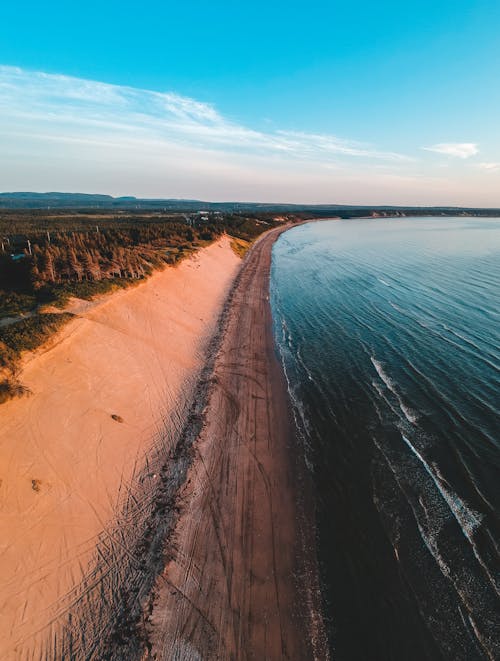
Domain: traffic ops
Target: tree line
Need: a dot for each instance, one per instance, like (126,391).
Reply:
(35,267)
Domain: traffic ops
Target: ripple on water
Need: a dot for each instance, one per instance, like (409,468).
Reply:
(389,336)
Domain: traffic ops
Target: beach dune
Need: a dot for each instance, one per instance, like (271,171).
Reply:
(114,379)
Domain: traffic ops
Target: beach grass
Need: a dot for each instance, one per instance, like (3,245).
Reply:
(24,335)
(29,334)
(240,246)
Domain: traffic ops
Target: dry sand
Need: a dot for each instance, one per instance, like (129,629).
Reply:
(65,464)
(242,582)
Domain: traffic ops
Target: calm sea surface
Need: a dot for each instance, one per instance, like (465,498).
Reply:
(389,331)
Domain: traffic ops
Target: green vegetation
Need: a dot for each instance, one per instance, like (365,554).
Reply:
(24,335)
(10,388)
(240,247)
(28,334)
(13,302)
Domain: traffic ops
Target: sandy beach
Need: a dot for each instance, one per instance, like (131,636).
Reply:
(241,583)
(155,502)
(67,466)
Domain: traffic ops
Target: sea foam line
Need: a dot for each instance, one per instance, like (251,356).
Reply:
(409,414)
(428,536)
(468,519)
(298,412)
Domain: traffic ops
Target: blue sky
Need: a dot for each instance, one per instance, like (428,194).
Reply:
(349,102)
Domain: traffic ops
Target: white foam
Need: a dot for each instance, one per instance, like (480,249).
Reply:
(380,371)
(301,422)
(410,415)
(467,518)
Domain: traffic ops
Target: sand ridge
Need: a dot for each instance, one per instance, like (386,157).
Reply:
(66,463)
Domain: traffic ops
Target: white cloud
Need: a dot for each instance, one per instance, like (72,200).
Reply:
(489,167)
(327,144)
(73,109)
(456,149)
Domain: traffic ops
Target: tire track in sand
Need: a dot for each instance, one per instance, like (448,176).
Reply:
(236,585)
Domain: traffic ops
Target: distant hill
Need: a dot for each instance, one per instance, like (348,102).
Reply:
(43,199)
(55,200)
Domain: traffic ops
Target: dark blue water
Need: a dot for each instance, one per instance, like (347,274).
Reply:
(389,331)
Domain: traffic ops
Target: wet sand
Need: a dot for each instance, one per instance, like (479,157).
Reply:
(241,581)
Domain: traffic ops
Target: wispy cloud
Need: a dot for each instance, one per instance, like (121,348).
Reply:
(488,167)
(66,133)
(455,149)
(326,144)
(74,109)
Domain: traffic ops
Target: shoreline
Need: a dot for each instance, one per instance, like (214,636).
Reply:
(248,490)
(241,579)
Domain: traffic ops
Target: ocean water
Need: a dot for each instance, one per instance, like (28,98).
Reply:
(389,333)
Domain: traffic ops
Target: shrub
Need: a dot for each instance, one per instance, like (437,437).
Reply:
(28,334)
(10,388)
